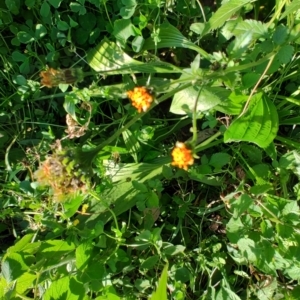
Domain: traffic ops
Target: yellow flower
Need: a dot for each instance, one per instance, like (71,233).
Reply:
(182,156)
(141,98)
(76,222)
(52,77)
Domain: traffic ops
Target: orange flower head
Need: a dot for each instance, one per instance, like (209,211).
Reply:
(52,77)
(141,98)
(182,156)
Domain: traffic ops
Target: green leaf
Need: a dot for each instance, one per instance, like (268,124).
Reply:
(257,28)
(62,25)
(235,229)
(250,79)
(226,294)
(170,36)
(240,44)
(285,54)
(258,125)
(139,186)
(131,143)
(173,250)
(152,200)
(65,288)
(13,6)
(161,291)
(18,56)
(290,8)
(57,248)
(150,262)
(224,13)
(77,8)
(218,160)
(30,3)
(71,206)
(40,31)
(197,28)
(24,37)
(55,3)
(83,254)
(107,57)
(88,21)
(128,11)
(21,244)
(280,34)
(25,282)
(45,9)
(208,97)
(248,249)
(241,204)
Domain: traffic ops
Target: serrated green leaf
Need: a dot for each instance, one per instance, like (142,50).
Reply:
(258,125)
(110,59)
(21,244)
(52,248)
(83,254)
(247,247)
(224,13)
(257,28)
(250,79)
(161,291)
(208,98)
(285,54)
(218,160)
(241,205)
(237,47)
(280,34)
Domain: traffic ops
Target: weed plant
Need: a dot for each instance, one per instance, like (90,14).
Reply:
(149,149)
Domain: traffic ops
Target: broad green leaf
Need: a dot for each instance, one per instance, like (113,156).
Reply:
(25,282)
(240,205)
(233,105)
(258,125)
(248,248)
(123,29)
(72,204)
(58,248)
(62,25)
(24,37)
(235,229)
(40,31)
(173,249)
(13,266)
(21,244)
(161,291)
(83,254)
(150,262)
(208,97)
(139,186)
(88,21)
(18,56)
(218,160)
(250,79)
(170,36)
(65,288)
(108,58)
(45,9)
(224,13)
(55,3)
